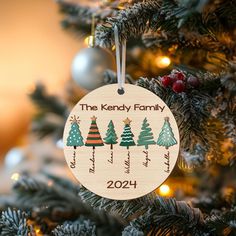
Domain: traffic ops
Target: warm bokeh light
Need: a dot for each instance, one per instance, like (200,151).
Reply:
(89,41)
(162,61)
(86,40)
(37,231)
(15,176)
(164,190)
(50,183)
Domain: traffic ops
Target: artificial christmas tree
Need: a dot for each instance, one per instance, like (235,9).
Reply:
(75,138)
(198,37)
(145,137)
(166,137)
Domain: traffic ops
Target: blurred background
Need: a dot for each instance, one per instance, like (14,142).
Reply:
(33,48)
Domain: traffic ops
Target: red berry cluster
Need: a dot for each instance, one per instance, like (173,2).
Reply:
(178,81)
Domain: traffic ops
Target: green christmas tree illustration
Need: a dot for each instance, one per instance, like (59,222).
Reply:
(75,138)
(94,138)
(111,137)
(166,137)
(145,137)
(127,136)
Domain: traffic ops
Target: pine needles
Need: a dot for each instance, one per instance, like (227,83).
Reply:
(187,24)
(14,222)
(149,215)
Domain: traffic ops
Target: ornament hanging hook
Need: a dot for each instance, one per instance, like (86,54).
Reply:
(120,61)
(91,41)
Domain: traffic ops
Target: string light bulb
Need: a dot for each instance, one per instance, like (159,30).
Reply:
(162,61)
(89,41)
(37,231)
(15,176)
(164,190)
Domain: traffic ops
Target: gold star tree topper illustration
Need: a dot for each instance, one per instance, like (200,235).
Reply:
(127,121)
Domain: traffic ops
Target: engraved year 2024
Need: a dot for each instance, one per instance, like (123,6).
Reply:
(126,184)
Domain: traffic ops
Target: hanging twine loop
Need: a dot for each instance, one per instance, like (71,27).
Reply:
(120,61)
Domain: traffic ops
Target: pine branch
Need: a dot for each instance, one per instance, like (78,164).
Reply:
(212,201)
(150,215)
(52,113)
(195,158)
(224,224)
(214,130)
(224,17)
(201,134)
(158,215)
(225,98)
(79,227)
(57,200)
(64,183)
(79,17)
(76,10)
(123,208)
(228,78)
(48,124)
(48,103)
(5,201)
(110,77)
(48,199)
(168,216)
(131,22)
(183,24)
(14,222)
(131,231)
(190,109)
(210,82)
(185,40)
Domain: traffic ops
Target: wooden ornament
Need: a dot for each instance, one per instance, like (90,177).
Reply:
(121,146)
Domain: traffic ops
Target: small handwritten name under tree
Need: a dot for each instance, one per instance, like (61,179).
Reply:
(73,162)
(167,162)
(111,138)
(93,140)
(127,141)
(145,139)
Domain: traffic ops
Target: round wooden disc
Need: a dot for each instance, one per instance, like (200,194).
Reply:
(121,146)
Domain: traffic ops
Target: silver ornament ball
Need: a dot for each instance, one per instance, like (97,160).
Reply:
(89,65)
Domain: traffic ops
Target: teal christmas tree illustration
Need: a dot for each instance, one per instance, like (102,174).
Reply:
(145,137)
(127,136)
(166,137)
(111,137)
(75,138)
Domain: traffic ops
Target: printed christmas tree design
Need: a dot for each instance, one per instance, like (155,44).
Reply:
(166,137)
(127,136)
(75,138)
(94,138)
(145,137)
(111,137)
